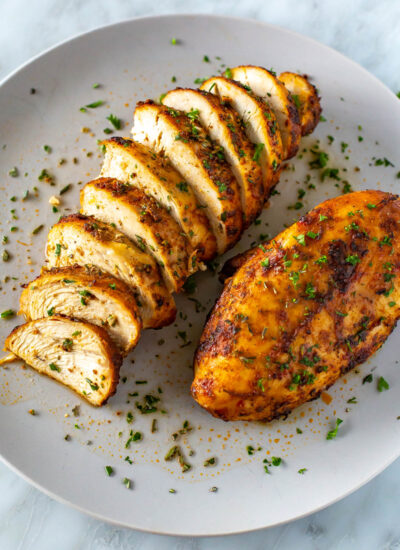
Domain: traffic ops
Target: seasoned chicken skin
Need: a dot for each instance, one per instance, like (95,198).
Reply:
(133,162)
(225,128)
(266,85)
(79,355)
(303,309)
(305,96)
(201,163)
(260,123)
(87,294)
(142,219)
(82,240)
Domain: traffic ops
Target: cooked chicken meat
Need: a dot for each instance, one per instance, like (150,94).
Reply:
(82,240)
(260,124)
(311,304)
(306,99)
(201,163)
(87,294)
(194,179)
(142,219)
(132,162)
(224,127)
(266,85)
(79,355)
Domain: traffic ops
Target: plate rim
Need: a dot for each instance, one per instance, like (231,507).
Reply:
(222,17)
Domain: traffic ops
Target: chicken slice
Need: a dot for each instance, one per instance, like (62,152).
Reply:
(87,294)
(143,220)
(79,355)
(224,127)
(316,301)
(306,98)
(260,124)
(83,240)
(133,162)
(201,163)
(266,85)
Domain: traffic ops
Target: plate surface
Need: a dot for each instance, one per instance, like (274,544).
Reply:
(131,61)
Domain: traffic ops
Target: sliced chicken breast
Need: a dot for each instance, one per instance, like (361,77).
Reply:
(260,124)
(306,98)
(224,127)
(83,240)
(143,220)
(266,85)
(79,355)
(201,163)
(133,162)
(88,294)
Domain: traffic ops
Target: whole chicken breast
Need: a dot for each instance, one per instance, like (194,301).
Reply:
(79,355)
(88,294)
(132,162)
(224,126)
(83,240)
(200,161)
(139,216)
(303,309)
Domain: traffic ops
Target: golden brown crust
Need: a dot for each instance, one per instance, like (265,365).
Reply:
(319,299)
(147,223)
(83,240)
(137,164)
(265,84)
(249,107)
(210,157)
(226,128)
(306,96)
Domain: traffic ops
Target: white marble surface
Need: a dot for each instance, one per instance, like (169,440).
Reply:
(368,32)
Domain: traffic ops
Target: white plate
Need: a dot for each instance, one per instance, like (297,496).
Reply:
(135,60)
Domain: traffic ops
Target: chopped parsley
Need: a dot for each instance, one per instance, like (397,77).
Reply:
(115,121)
(67,344)
(93,385)
(367,379)
(109,470)
(95,104)
(7,314)
(37,229)
(353,259)
(257,152)
(296,101)
(382,384)
(333,433)
(127,482)
(383,162)
(53,366)
(13,172)
(301,239)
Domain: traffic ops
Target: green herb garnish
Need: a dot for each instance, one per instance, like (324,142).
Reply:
(333,433)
